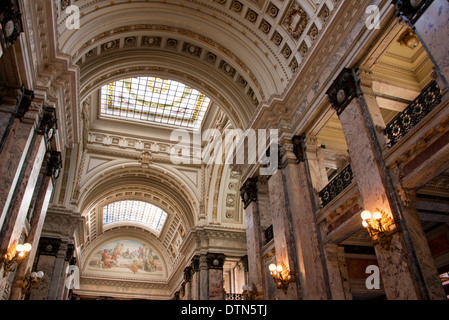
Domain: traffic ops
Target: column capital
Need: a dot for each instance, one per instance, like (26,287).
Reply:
(188,274)
(248,191)
(215,260)
(408,197)
(49,246)
(195,264)
(409,11)
(342,90)
(24,102)
(244,262)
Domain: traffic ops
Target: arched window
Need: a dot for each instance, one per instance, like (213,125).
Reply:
(135,211)
(154,100)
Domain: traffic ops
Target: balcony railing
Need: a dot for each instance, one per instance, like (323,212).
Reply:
(414,113)
(234,296)
(336,186)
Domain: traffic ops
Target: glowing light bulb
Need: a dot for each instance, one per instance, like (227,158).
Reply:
(27,247)
(279,268)
(272,267)
(365,224)
(377,215)
(366,215)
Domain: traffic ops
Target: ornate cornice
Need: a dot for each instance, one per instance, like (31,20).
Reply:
(342,90)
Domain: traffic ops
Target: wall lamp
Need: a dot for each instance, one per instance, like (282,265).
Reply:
(282,276)
(251,292)
(380,227)
(14,255)
(29,281)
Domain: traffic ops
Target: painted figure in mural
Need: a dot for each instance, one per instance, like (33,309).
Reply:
(134,267)
(106,259)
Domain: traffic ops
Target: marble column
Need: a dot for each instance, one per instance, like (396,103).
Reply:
(50,259)
(188,282)
(21,201)
(37,214)
(15,147)
(195,282)
(204,278)
(429,21)
(299,192)
(55,252)
(282,232)
(338,272)
(254,240)
(401,274)
(425,260)
(215,262)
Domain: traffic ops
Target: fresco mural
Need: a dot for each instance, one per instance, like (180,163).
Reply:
(126,256)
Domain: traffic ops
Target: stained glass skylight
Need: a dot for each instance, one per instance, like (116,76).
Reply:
(154,100)
(135,211)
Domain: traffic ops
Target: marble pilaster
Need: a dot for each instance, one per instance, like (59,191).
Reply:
(188,283)
(253,233)
(54,252)
(401,275)
(14,222)
(204,278)
(338,273)
(15,149)
(195,282)
(282,233)
(300,202)
(37,217)
(215,264)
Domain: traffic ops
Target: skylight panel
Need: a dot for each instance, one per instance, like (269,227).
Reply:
(154,100)
(135,211)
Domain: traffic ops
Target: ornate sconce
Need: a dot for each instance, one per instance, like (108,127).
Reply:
(29,281)
(409,39)
(14,255)
(380,227)
(251,293)
(282,276)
